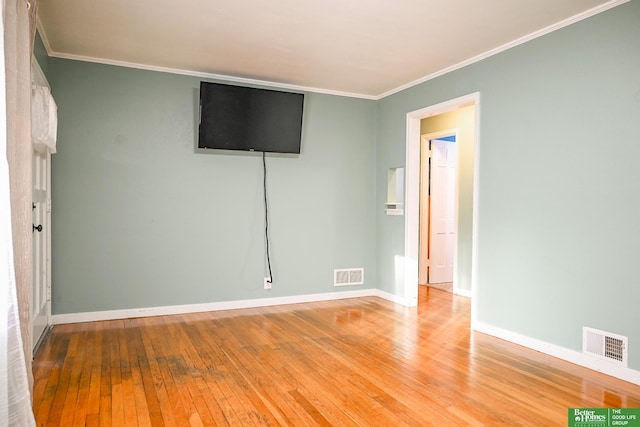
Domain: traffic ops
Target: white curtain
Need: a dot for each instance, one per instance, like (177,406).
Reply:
(18,26)
(44,120)
(15,396)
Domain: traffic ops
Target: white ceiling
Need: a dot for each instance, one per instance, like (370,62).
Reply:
(365,48)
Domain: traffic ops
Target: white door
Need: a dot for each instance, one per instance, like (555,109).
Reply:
(41,212)
(442,233)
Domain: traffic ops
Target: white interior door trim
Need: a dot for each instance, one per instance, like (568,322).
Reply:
(412,195)
(40,325)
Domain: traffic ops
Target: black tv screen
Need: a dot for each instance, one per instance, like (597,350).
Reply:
(250,119)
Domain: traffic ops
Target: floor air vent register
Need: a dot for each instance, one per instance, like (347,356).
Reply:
(605,345)
(348,277)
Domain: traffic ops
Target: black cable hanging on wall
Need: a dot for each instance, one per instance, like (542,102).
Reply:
(266,214)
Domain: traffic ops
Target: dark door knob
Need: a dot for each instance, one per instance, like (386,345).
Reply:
(38,228)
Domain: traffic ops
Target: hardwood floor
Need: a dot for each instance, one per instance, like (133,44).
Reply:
(360,362)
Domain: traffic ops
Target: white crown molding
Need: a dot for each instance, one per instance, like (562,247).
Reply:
(551,28)
(576,18)
(43,35)
(576,357)
(579,17)
(222,77)
(59,319)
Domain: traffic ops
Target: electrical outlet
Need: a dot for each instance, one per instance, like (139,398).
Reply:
(267,283)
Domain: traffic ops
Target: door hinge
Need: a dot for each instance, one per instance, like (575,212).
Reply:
(49,293)
(49,205)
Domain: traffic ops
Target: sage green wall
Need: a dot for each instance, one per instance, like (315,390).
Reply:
(40,53)
(462,119)
(140,219)
(559,143)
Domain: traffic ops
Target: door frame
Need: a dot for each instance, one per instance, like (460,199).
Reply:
(38,78)
(412,194)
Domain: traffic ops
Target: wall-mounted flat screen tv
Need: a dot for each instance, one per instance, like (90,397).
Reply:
(249,119)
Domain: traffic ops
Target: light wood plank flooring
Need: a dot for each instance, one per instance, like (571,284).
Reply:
(365,362)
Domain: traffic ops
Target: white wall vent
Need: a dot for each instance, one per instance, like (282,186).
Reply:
(348,277)
(605,345)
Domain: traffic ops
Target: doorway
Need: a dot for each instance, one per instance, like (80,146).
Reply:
(41,231)
(41,216)
(438,216)
(464,277)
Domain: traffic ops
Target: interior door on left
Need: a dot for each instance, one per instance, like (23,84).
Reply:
(41,212)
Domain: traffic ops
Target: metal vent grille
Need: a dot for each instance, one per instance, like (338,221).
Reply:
(614,348)
(605,345)
(341,277)
(348,277)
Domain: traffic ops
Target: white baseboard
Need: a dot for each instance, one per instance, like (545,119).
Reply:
(390,297)
(563,353)
(463,292)
(572,356)
(93,316)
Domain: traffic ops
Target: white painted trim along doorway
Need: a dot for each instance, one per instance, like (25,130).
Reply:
(412,196)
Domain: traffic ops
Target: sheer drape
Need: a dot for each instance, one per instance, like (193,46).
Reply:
(18,27)
(15,396)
